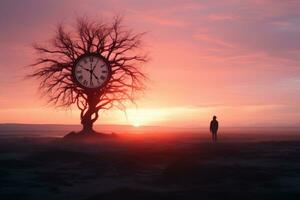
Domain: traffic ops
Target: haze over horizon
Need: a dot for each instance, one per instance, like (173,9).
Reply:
(238,60)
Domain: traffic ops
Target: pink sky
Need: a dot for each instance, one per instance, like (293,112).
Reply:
(239,60)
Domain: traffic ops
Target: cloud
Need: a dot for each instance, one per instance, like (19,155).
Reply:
(222,17)
(212,40)
(161,20)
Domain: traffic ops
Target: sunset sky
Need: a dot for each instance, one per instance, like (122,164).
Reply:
(237,59)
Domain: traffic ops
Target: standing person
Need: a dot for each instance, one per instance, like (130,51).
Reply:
(214,125)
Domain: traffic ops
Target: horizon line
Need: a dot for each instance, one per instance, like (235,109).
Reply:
(157,126)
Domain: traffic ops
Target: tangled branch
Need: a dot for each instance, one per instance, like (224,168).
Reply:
(121,48)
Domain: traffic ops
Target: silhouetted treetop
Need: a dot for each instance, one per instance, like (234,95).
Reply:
(120,46)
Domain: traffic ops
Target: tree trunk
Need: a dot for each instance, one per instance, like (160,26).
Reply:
(87,119)
(87,124)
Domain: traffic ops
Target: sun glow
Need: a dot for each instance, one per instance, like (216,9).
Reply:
(159,116)
(137,124)
(142,117)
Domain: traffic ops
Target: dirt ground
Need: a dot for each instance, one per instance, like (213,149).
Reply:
(182,166)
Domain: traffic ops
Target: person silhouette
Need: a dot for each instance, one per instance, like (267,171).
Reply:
(214,125)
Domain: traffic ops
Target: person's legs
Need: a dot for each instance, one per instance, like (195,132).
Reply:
(213,136)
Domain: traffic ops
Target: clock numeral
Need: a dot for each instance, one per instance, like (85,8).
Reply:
(104,72)
(79,71)
(85,61)
(85,82)
(91,59)
(102,65)
(102,77)
(80,77)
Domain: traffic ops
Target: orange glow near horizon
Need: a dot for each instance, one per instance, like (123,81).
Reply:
(142,117)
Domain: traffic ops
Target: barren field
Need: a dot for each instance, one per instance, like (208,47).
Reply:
(151,166)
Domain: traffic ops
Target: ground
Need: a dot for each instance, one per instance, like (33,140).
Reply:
(179,166)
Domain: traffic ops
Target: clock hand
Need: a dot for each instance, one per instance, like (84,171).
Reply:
(84,68)
(95,65)
(94,68)
(91,77)
(95,76)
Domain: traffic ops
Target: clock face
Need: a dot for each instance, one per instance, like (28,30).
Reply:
(91,71)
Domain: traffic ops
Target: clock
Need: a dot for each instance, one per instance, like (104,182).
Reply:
(91,71)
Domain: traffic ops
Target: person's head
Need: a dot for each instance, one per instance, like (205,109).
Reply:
(214,117)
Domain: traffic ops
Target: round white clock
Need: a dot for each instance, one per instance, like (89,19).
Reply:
(91,71)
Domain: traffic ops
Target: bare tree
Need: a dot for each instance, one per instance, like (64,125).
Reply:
(121,48)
